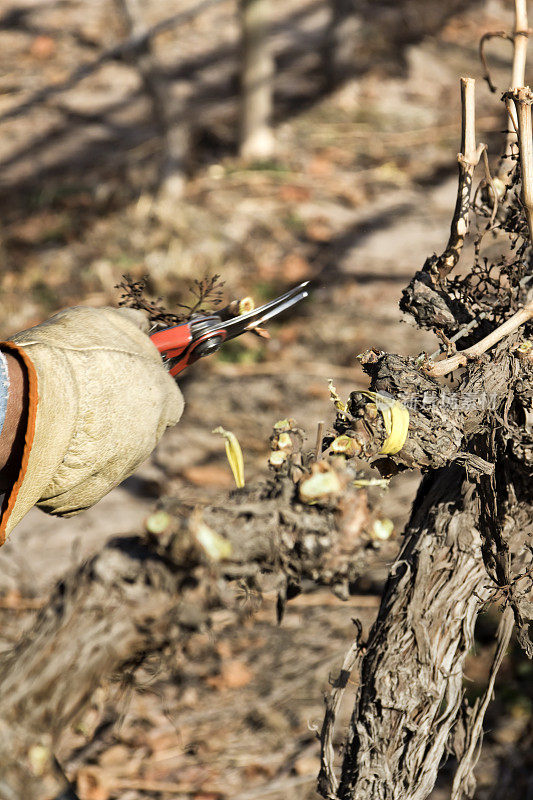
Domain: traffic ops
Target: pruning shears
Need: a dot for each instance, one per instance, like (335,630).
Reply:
(201,336)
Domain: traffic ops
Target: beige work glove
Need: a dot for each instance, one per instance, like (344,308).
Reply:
(100,400)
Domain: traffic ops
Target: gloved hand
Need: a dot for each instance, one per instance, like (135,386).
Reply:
(100,399)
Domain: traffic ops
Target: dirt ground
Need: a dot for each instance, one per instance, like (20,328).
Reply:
(360,193)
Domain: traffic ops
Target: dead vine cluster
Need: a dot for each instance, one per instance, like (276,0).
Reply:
(205,297)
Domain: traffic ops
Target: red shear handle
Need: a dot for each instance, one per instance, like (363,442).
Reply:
(172,341)
(180,349)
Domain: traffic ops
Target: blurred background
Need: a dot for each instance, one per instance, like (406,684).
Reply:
(269,142)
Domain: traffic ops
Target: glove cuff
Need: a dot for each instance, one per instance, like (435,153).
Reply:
(14,505)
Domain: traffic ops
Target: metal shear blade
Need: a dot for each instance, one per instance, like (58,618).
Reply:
(257,317)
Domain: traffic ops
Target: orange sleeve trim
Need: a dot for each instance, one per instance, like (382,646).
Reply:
(28,436)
